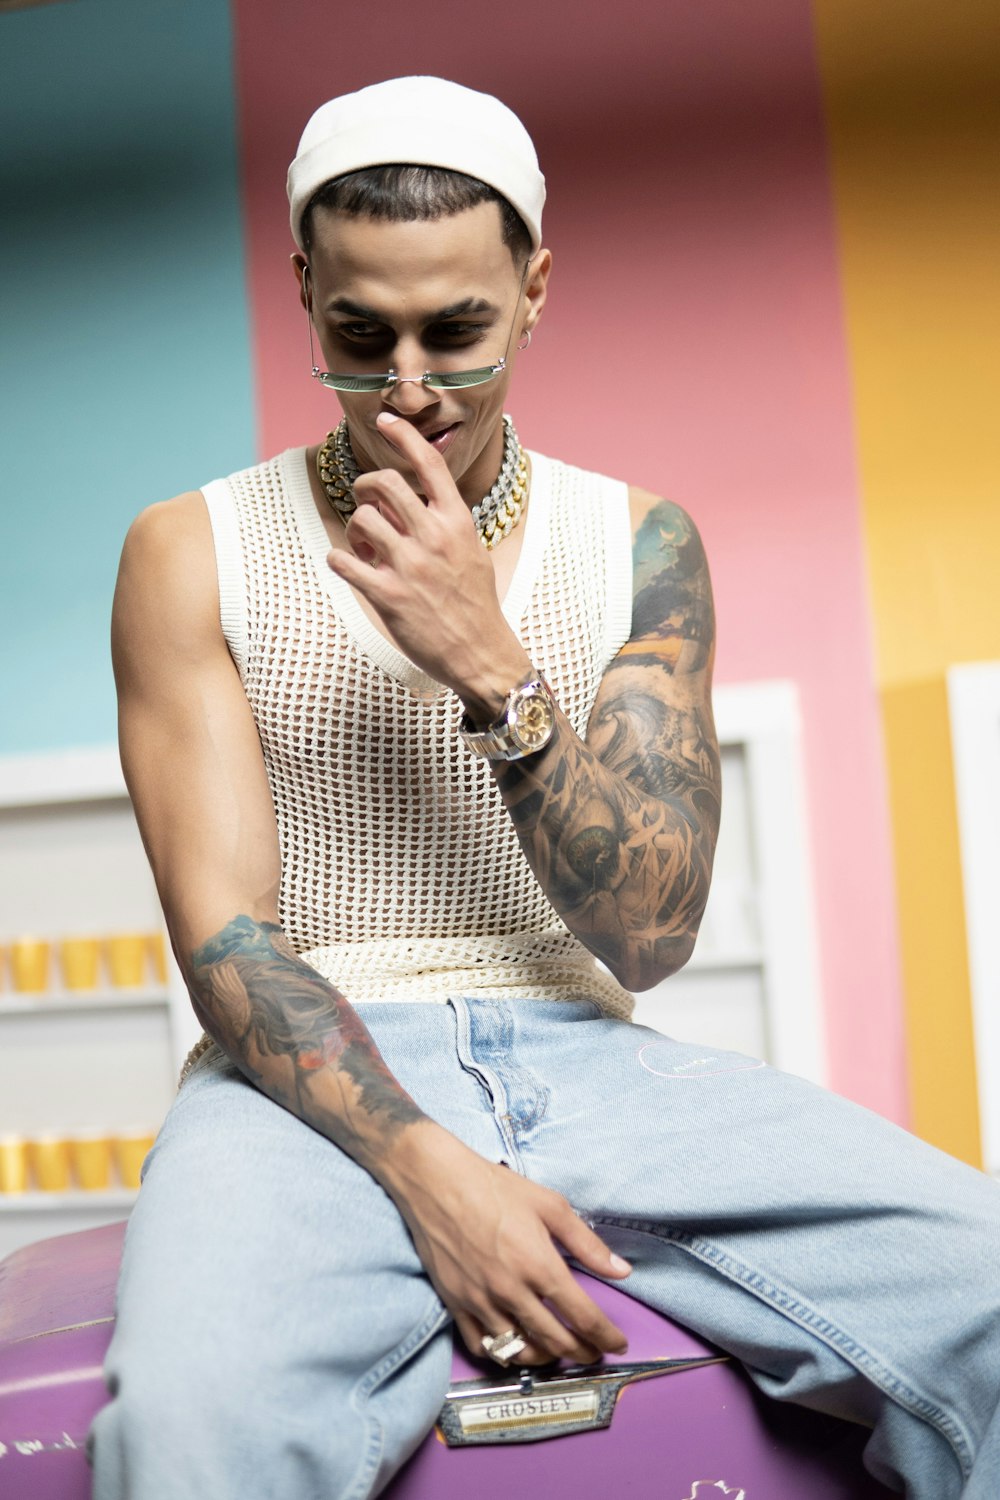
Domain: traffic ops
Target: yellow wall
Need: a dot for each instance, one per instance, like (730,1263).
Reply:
(931,917)
(913,114)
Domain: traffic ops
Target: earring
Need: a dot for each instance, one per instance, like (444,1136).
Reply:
(525,338)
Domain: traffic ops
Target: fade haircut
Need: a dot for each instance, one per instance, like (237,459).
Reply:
(401,191)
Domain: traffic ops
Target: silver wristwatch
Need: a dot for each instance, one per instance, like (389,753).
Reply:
(524,726)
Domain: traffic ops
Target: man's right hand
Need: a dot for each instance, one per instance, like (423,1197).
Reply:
(489,1240)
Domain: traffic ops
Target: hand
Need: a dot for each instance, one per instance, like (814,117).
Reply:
(489,1239)
(432,581)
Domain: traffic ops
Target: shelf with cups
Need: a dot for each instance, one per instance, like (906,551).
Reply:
(61,1169)
(94,1014)
(91,969)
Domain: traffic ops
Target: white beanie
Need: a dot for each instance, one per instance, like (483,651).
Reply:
(426,121)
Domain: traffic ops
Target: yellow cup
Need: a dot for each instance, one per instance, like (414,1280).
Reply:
(90,1158)
(30,964)
(158,956)
(126,959)
(131,1149)
(79,958)
(13,1164)
(49,1159)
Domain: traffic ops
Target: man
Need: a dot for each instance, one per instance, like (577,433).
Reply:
(417,726)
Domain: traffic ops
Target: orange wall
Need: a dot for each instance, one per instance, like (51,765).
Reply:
(913,112)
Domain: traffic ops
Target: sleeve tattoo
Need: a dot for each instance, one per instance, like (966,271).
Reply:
(294,1035)
(621,830)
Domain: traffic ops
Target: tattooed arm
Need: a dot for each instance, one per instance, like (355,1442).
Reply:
(193,764)
(620,829)
(297,1038)
(194,768)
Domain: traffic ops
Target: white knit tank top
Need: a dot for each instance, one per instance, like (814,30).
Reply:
(401,876)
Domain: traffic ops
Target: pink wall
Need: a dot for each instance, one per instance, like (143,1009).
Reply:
(693,343)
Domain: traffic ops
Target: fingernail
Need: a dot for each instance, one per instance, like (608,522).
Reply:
(617,1264)
(388,416)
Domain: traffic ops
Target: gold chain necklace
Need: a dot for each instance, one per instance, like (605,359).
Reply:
(495,516)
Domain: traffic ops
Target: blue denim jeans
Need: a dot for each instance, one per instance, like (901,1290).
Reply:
(278,1340)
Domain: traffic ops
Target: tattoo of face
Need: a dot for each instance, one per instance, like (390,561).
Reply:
(663,749)
(288,1028)
(592,855)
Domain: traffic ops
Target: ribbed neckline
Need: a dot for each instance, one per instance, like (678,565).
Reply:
(295,479)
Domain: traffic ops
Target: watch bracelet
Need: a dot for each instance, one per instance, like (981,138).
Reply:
(494,742)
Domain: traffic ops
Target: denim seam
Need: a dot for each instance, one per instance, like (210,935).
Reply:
(807,1317)
(490,1079)
(415,1340)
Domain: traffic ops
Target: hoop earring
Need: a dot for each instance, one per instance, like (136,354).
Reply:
(525,338)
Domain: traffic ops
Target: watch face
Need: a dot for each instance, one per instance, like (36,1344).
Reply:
(532,720)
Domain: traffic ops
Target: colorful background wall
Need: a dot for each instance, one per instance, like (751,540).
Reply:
(772,288)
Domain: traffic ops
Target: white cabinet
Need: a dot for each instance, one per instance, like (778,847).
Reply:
(71,863)
(753,983)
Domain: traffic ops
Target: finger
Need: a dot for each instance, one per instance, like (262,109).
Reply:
(582,1337)
(372,535)
(426,462)
(589,1322)
(555,1339)
(546,1337)
(576,1236)
(535,1351)
(361,570)
(472,1334)
(389,493)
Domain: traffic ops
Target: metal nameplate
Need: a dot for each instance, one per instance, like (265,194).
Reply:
(537,1410)
(526,1408)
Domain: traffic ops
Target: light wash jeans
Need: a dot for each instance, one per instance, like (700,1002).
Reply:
(278,1340)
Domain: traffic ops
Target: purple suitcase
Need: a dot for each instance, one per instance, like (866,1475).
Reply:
(683,1423)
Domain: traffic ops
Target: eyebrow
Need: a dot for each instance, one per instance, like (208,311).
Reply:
(453,310)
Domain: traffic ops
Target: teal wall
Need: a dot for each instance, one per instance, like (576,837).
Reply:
(125,367)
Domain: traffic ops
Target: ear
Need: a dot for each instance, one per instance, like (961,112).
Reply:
(536,286)
(301,270)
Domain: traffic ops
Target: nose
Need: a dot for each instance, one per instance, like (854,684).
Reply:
(408,395)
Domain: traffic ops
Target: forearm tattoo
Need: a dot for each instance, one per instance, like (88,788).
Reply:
(621,830)
(296,1037)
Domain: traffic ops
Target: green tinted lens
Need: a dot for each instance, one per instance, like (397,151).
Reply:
(336,382)
(449,380)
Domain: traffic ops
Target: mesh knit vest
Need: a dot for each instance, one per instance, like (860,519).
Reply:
(401,876)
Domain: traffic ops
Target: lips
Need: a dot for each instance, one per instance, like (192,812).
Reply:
(440,437)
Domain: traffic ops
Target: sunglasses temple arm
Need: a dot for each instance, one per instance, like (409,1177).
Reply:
(308,301)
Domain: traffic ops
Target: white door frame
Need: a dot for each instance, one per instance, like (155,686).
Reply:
(765,719)
(974,710)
